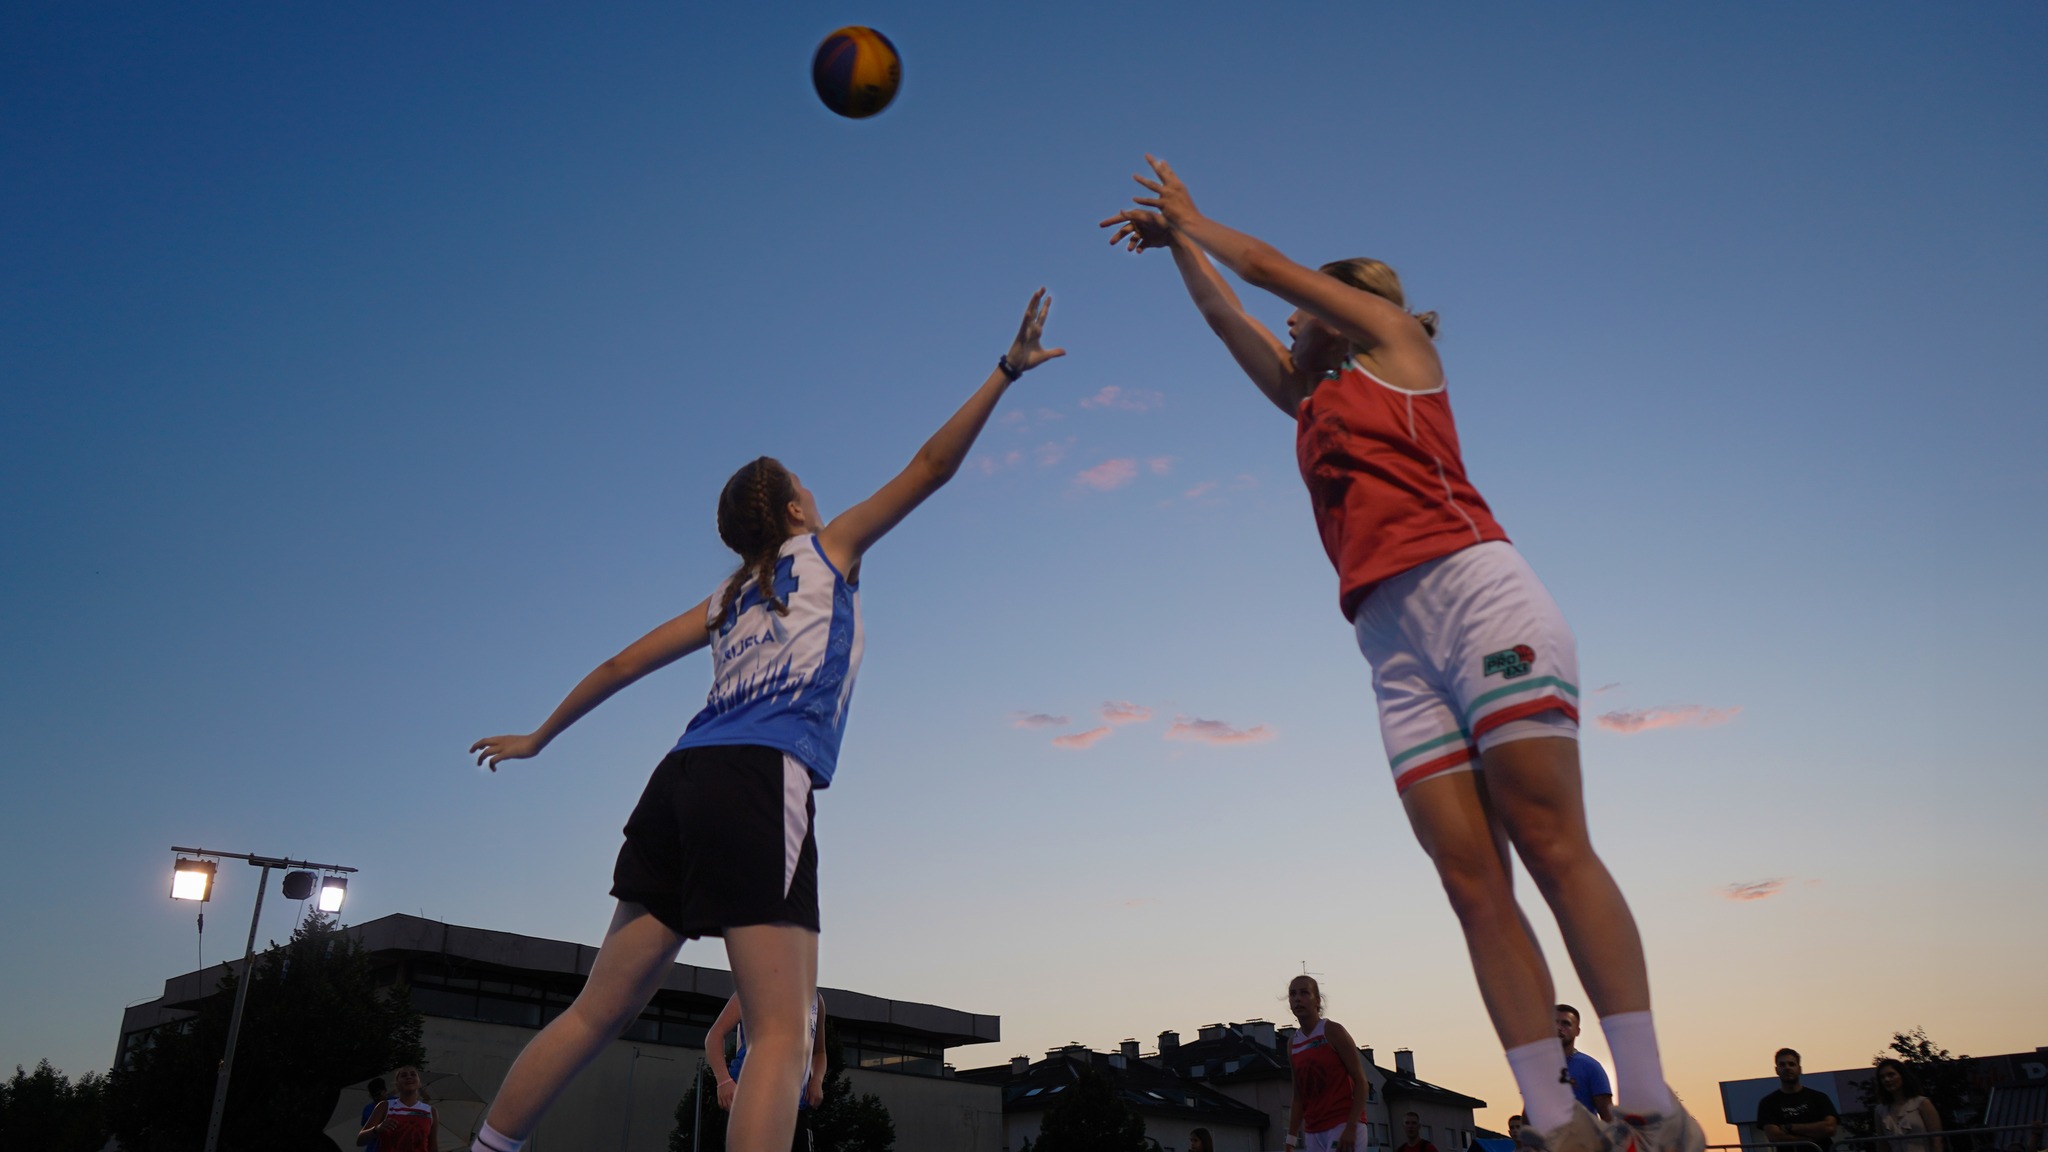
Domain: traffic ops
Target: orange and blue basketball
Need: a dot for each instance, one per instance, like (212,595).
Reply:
(856,72)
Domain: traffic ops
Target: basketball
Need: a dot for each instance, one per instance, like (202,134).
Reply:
(856,72)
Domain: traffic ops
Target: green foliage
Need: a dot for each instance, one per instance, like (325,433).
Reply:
(44,1110)
(843,1122)
(687,1117)
(1092,1117)
(314,1022)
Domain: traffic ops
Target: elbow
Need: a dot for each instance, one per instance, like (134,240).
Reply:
(934,469)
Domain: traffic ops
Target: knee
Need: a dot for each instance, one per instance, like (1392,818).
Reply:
(1476,885)
(1553,850)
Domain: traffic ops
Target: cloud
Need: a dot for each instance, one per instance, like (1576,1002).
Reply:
(1160,465)
(990,465)
(1666,716)
(1605,688)
(1199,490)
(1754,889)
(1244,482)
(1080,739)
(1037,720)
(1050,453)
(1108,475)
(1216,732)
(1125,712)
(1126,399)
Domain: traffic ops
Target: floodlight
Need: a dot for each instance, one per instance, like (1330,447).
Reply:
(192,879)
(333,890)
(297,885)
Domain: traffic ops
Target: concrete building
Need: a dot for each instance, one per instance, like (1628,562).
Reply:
(484,994)
(1232,1079)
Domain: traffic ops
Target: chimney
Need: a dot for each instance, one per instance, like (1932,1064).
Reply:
(1210,1032)
(1366,1055)
(1404,1061)
(1259,1032)
(1168,1041)
(1116,1060)
(1129,1049)
(1020,1065)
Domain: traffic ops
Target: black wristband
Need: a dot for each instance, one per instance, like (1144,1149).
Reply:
(1009,370)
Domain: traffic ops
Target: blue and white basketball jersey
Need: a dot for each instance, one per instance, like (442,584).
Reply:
(784,682)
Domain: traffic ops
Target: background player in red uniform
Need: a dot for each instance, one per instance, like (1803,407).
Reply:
(1329,1078)
(1473,666)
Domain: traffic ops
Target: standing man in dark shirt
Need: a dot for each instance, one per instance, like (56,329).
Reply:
(1795,1113)
(1589,1079)
(1411,1127)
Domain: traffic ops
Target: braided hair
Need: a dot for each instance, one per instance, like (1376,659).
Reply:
(1372,276)
(753,521)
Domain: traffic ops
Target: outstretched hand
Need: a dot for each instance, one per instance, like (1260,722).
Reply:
(492,749)
(1139,231)
(1025,353)
(1170,195)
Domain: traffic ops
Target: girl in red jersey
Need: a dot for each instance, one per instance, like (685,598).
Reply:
(1473,667)
(405,1122)
(1329,1078)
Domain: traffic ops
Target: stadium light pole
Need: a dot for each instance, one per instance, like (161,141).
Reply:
(227,1060)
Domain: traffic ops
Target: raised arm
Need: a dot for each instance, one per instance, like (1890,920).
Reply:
(1396,341)
(850,534)
(1260,353)
(652,652)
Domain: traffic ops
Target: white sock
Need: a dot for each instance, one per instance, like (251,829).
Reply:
(492,1140)
(1638,1069)
(1546,1089)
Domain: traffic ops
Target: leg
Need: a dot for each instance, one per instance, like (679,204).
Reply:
(1535,788)
(630,966)
(1453,820)
(775,968)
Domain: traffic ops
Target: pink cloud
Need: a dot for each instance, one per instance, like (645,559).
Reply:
(1127,399)
(1669,716)
(1754,890)
(1605,688)
(1037,720)
(1160,465)
(1199,490)
(1216,732)
(1050,453)
(1125,712)
(1108,475)
(1245,481)
(990,465)
(1080,739)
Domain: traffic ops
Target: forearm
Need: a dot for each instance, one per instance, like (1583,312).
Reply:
(947,449)
(1211,293)
(600,685)
(1250,257)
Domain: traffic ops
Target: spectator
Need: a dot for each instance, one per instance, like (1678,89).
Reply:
(1794,1113)
(1902,1111)
(1515,1123)
(1589,1079)
(1199,1141)
(728,1072)
(1411,1127)
(378,1094)
(403,1123)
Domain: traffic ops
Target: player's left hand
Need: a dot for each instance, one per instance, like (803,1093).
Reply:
(1025,352)
(1171,197)
(1347,1140)
(814,1092)
(496,748)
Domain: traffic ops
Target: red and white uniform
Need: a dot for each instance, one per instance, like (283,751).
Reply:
(1323,1085)
(408,1127)
(1467,647)
(1386,479)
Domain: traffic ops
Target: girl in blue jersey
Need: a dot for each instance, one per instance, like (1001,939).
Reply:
(722,843)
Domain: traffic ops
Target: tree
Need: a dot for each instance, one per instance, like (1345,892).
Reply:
(315,1021)
(45,1110)
(1092,1117)
(688,1118)
(843,1122)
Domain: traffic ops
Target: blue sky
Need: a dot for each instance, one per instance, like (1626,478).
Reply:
(366,375)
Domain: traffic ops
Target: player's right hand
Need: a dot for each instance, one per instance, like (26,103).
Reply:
(1138,230)
(492,749)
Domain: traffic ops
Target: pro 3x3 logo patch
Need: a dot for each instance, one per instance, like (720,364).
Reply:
(1510,663)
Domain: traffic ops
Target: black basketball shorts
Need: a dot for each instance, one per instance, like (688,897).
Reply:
(723,837)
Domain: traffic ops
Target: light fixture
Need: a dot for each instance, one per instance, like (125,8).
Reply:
(297,885)
(192,879)
(333,890)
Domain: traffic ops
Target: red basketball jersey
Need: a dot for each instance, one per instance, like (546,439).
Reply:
(1325,1087)
(1386,480)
